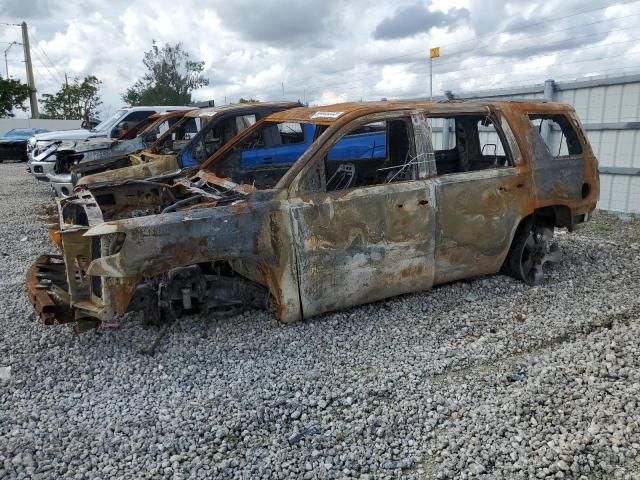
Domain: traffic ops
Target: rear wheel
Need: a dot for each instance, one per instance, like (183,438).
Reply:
(531,250)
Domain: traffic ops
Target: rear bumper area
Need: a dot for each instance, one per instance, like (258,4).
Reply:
(48,291)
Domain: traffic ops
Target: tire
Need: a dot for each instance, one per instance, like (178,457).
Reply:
(530,251)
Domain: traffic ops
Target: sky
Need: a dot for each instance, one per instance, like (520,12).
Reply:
(326,51)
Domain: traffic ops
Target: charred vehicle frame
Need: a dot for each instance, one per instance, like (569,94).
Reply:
(322,234)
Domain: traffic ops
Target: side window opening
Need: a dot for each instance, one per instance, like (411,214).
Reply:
(190,129)
(215,137)
(468,143)
(243,122)
(558,134)
(373,154)
(290,133)
(180,134)
(160,130)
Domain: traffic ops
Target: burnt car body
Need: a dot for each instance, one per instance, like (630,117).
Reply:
(43,147)
(327,233)
(14,145)
(189,142)
(75,159)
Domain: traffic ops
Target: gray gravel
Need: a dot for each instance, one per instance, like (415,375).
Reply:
(481,378)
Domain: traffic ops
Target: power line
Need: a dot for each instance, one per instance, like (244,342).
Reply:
(553,44)
(423,68)
(48,59)
(496,74)
(461,92)
(45,53)
(525,27)
(443,72)
(46,68)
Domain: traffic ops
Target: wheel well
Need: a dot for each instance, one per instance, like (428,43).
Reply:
(553,216)
(556,216)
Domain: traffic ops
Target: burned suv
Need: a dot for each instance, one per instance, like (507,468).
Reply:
(386,198)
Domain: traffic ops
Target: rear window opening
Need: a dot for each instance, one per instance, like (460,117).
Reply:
(558,134)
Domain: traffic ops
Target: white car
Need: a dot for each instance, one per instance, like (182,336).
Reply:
(42,147)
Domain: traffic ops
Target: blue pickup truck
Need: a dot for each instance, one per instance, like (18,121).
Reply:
(364,144)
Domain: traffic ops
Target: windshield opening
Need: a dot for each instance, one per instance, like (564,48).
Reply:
(17,133)
(109,122)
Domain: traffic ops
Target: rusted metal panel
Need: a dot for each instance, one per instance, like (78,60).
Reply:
(477,216)
(45,279)
(238,107)
(364,245)
(153,165)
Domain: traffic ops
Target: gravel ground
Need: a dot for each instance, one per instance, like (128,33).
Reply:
(484,378)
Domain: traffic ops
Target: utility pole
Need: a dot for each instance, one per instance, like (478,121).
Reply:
(30,81)
(6,63)
(66,82)
(433,53)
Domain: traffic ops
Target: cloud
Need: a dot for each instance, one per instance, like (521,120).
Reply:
(19,9)
(325,51)
(410,20)
(274,21)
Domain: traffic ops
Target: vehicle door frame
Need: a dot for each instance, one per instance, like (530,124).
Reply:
(391,265)
(480,210)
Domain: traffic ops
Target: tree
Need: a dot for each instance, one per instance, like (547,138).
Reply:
(74,101)
(170,78)
(13,94)
(248,100)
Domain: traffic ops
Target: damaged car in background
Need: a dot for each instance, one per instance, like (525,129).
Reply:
(14,145)
(43,147)
(384,199)
(75,159)
(188,143)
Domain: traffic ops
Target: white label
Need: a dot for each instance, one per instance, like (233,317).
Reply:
(326,115)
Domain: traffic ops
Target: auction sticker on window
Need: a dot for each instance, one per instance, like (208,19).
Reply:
(326,115)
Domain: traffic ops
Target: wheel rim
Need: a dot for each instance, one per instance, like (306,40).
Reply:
(536,252)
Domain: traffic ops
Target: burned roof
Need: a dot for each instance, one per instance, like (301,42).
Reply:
(238,107)
(329,114)
(170,114)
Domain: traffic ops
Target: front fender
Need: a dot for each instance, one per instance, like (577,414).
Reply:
(158,243)
(254,237)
